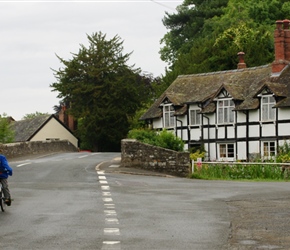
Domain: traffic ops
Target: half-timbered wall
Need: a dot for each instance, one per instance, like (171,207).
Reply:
(247,133)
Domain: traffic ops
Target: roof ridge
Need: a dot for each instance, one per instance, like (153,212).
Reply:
(225,71)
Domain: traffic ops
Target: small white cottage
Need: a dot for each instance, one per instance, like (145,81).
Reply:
(42,128)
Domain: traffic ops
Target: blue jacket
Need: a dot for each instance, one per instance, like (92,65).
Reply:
(5,169)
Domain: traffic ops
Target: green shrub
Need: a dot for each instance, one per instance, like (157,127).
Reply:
(239,172)
(197,154)
(164,139)
(283,154)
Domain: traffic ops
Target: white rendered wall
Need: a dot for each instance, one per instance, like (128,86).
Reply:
(54,130)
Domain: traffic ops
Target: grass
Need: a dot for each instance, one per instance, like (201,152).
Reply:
(257,172)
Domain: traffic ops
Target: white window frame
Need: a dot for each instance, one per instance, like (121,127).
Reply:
(268,149)
(194,117)
(168,116)
(226,151)
(268,113)
(225,113)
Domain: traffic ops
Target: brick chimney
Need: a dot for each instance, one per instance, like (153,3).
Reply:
(241,64)
(282,46)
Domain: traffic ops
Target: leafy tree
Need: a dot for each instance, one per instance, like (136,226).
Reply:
(6,133)
(102,90)
(187,25)
(33,115)
(205,36)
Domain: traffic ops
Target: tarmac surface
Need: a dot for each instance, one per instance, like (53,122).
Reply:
(256,222)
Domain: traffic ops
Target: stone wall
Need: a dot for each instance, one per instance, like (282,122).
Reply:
(14,150)
(140,155)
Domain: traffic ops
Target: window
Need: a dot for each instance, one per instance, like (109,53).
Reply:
(168,115)
(269,149)
(194,117)
(268,112)
(225,111)
(227,151)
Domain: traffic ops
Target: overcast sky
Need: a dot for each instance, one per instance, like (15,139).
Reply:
(33,32)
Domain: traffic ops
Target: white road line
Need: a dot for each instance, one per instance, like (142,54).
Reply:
(114,166)
(112,221)
(110,206)
(110,212)
(111,245)
(103,182)
(111,231)
(23,164)
(107,199)
(83,156)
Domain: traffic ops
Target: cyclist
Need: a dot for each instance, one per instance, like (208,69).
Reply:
(5,171)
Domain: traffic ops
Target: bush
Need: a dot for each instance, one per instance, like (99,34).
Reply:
(197,154)
(283,154)
(238,172)
(164,139)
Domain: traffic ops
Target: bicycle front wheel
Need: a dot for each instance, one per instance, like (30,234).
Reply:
(2,202)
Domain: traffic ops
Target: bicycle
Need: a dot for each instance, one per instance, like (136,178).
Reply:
(2,200)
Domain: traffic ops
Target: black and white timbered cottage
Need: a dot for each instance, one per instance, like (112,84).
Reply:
(236,114)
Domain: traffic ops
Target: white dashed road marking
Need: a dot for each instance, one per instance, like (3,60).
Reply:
(111,245)
(110,233)
(23,164)
(83,156)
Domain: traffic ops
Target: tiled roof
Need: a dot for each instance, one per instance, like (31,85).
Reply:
(242,84)
(26,129)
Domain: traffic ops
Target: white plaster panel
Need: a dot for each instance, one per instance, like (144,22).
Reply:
(230,132)
(268,129)
(241,117)
(241,131)
(241,151)
(284,113)
(254,130)
(284,129)
(254,115)
(195,133)
(221,132)
(157,123)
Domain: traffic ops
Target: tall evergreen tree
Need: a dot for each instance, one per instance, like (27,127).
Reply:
(103,92)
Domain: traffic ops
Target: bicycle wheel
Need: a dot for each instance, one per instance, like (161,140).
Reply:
(2,202)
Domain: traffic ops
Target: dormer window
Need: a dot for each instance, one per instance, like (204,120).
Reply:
(267,104)
(194,117)
(225,112)
(168,115)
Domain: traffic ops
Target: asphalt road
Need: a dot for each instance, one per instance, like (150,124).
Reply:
(76,201)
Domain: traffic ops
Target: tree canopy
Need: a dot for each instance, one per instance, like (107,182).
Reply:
(102,90)
(6,133)
(205,36)
(33,115)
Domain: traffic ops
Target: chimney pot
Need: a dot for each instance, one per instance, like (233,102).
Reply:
(241,64)
(286,24)
(282,45)
(279,24)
